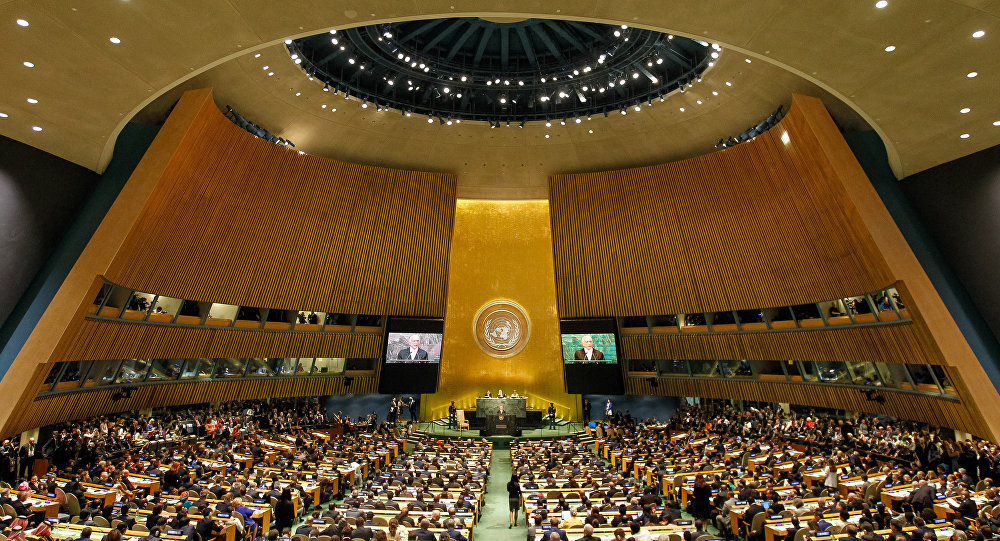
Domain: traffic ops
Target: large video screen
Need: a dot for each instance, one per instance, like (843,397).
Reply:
(589,348)
(411,358)
(590,356)
(413,347)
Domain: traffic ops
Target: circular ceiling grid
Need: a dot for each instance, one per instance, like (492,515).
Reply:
(474,69)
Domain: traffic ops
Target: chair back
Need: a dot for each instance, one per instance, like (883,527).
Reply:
(101,521)
(801,534)
(72,505)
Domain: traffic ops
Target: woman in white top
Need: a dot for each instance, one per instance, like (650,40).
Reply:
(830,473)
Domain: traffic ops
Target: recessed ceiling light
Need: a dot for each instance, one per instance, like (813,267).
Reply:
(590,131)
(265,68)
(714,93)
(297,94)
(964,136)
(995,122)
(881,4)
(256,55)
(979,33)
(748,60)
(270,73)
(682,109)
(32,100)
(890,48)
(22,22)
(546,136)
(288,42)
(699,102)
(972,74)
(114,40)
(728,83)
(964,110)
(29,64)
(4,115)
(36,128)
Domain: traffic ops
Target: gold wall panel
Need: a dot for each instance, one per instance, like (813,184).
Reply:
(501,250)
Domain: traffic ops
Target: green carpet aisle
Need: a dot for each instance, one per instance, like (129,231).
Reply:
(492,526)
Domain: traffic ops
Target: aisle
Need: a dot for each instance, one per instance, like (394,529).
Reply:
(492,526)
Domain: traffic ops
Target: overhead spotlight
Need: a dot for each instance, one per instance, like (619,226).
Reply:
(522,124)
(548,124)
(562,122)
(508,123)
(623,111)
(326,87)
(578,120)
(364,104)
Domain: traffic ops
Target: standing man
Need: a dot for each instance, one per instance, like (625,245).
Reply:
(452,415)
(552,415)
(587,352)
(586,410)
(27,456)
(411,403)
(414,352)
(607,409)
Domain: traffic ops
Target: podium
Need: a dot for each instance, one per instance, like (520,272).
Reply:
(501,423)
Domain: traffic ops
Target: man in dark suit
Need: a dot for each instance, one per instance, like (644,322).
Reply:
(423,533)
(449,524)
(556,530)
(922,496)
(413,353)
(586,410)
(587,352)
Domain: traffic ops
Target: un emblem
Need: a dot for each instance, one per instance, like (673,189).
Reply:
(501,328)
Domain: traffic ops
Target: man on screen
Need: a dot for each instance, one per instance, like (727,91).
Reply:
(414,353)
(587,352)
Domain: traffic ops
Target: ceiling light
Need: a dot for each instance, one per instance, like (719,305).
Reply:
(715,54)
(590,131)
(562,122)
(464,78)
(430,120)
(39,128)
(635,74)
(336,41)
(964,136)
(659,60)
(978,34)
(503,100)
(699,102)
(548,124)
(407,113)
(546,136)
(297,94)
(682,109)
(638,108)
(714,93)
(351,61)
(446,90)
(270,73)
(22,22)
(323,106)
(964,110)
(995,122)
(114,40)
(265,68)
(890,48)
(28,64)
(364,104)
(881,4)
(618,33)
(728,83)
(578,120)
(4,115)
(32,100)
(448,122)
(748,61)
(256,55)
(972,74)
(520,83)
(288,42)
(623,111)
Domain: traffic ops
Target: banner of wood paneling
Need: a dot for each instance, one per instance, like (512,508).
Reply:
(900,343)
(238,220)
(765,223)
(124,340)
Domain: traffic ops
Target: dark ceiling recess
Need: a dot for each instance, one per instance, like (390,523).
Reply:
(473,69)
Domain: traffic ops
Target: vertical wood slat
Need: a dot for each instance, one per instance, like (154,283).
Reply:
(757,225)
(238,220)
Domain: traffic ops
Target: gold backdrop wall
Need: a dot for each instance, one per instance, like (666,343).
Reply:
(501,250)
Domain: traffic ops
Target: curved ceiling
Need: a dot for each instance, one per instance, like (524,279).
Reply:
(87,87)
(471,69)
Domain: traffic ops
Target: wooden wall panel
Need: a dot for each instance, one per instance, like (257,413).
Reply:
(238,220)
(123,340)
(84,404)
(923,408)
(898,343)
(757,225)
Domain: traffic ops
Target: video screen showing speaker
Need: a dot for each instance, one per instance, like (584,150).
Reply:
(589,348)
(590,356)
(413,347)
(411,355)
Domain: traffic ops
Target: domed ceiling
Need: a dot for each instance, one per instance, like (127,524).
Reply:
(474,69)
